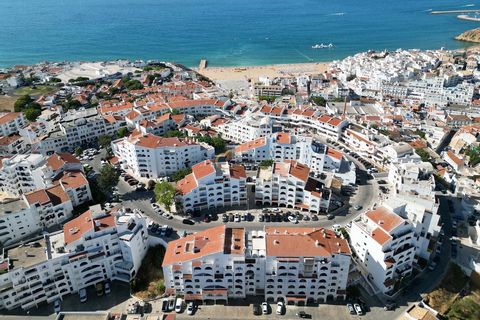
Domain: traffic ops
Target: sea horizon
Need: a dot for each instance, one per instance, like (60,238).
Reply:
(246,34)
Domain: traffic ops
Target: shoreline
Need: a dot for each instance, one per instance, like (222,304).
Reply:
(245,73)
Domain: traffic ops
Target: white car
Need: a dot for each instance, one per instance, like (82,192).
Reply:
(83,295)
(265,308)
(292,219)
(107,288)
(190,308)
(358,309)
(179,305)
(56,306)
(280,307)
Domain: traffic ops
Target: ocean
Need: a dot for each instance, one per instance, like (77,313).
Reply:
(225,32)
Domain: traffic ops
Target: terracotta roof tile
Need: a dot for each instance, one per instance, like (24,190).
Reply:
(304,242)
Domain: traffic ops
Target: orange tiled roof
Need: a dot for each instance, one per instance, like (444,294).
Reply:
(58,160)
(7,117)
(284,138)
(385,218)
(304,242)
(260,142)
(195,246)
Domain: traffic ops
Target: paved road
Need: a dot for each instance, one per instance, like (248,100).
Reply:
(366,195)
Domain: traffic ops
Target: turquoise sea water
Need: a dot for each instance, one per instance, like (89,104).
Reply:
(226,32)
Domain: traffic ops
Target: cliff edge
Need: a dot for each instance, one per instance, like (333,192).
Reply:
(470,36)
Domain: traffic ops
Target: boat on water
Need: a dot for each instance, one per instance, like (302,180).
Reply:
(323,46)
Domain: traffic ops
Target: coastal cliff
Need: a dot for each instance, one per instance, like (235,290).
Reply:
(470,36)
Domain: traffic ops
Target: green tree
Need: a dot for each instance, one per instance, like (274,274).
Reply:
(78,151)
(175,111)
(122,132)
(32,114)
(217,142)
(424,155)
(266,163)
(180,174)
(174,133)
(319,101)
(165,194)
(22,102)
(104,141)
(269,99)
(107,178)
(71,104)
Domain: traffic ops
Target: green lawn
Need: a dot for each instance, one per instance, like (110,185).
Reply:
(464,309)
(35,91)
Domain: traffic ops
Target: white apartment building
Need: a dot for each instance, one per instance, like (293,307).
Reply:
(11,123)
(246,129)
(25,173)
(21,173)
(289,184)
(283,146)
(294,265)
(212,185)
(82,127)
(13,144)
(18,220)
(422,214)
(94,247)
(151,156)
(309,118)
(385,247)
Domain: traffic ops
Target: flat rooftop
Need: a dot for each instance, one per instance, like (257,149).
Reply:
(265,173)
(13,206)
(28,254)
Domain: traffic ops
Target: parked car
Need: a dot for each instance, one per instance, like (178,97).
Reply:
(206,219)
(351,309)
(188,221)
(358,309)
(330,216)
(99,289)
(190,308)
(292,219)
(261,218)
(257,310)
(357,207)
(107,288)
(225,218)
(314,217)
(237,217)
(264,308)
(304,315)
(280,307)
(165,305)
(83,295)
(231,218)
(390,306)
(171,304)
(56,306)
(179,305)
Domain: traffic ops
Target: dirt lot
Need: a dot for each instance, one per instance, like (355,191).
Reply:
(7,102)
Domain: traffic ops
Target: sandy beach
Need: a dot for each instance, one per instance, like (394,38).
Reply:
(236,78)
(253,72)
